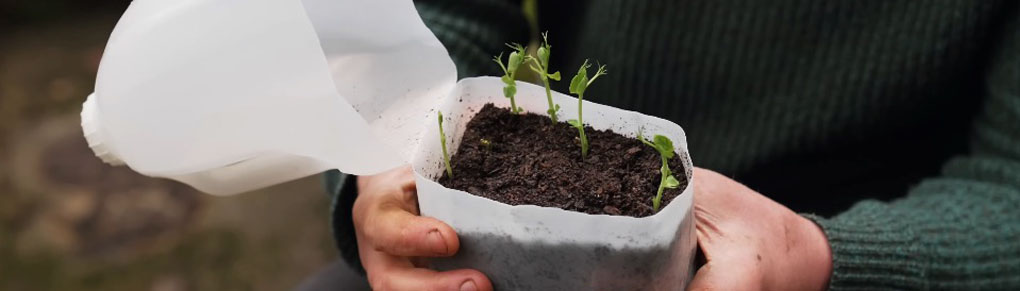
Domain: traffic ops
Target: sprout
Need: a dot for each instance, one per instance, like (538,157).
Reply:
(486,144)
(541,66)
(442,140)
(664,146)
(578,84)
(509,78)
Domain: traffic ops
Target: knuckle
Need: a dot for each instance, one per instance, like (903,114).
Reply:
(376,241)
(393,237)
(406,239)
(373,233)
(363,209)
(409,197)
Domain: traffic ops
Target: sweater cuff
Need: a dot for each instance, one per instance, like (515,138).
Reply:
(871,252)
(343,189)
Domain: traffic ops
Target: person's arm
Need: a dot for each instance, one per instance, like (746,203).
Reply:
(473,32)
(958,231)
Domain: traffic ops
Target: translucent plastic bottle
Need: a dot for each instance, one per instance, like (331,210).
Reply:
(230,96)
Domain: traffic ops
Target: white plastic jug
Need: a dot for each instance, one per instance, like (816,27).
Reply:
(234,95)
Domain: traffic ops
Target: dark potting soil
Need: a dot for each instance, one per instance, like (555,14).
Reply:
(530,160)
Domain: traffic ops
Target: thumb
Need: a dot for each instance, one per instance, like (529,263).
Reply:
(401,233)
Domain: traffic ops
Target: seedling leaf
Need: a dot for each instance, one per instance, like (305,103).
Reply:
(671,182)
(574,123)
(514,61)
(580,81)
(509,91)
(664,146)
(543,55)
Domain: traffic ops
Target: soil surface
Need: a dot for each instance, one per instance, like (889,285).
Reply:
(530,160)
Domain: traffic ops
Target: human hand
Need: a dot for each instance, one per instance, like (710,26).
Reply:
(393,241)
(753,243)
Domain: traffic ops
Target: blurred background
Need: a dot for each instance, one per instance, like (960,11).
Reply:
(70,222)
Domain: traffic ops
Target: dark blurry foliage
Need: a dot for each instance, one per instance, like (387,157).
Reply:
(21,12)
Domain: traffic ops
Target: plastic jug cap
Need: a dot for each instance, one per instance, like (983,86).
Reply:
(91,127)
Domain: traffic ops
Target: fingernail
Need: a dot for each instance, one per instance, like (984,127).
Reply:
(468,286)
(437,242)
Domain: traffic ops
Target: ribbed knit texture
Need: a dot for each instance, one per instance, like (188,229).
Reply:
(898,122)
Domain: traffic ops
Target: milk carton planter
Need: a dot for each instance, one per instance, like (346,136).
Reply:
(527,247)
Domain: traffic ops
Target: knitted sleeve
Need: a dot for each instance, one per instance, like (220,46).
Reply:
(957,231)
(473,32)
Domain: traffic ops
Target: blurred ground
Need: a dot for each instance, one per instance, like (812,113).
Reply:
(70,222)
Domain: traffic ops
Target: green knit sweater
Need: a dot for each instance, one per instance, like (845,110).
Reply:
(896,122)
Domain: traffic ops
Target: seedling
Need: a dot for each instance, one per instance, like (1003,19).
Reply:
(486,144)
(541,66)
(578,84)
(513,62)
(664,146)
(442,140)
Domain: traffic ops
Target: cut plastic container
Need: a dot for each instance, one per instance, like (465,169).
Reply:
(231,96)
(528,247)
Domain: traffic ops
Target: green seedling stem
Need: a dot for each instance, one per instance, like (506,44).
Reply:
(665,148)
(513,62)
(442,141)
(578,85)
(541,66)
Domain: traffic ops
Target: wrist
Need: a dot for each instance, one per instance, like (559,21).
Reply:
(819,255)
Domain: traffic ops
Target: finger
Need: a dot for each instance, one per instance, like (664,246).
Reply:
(395,231)
(425,279)
(387,219)
(387,272)
(712,188)
(710,216)
(719,276)
(400,178)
